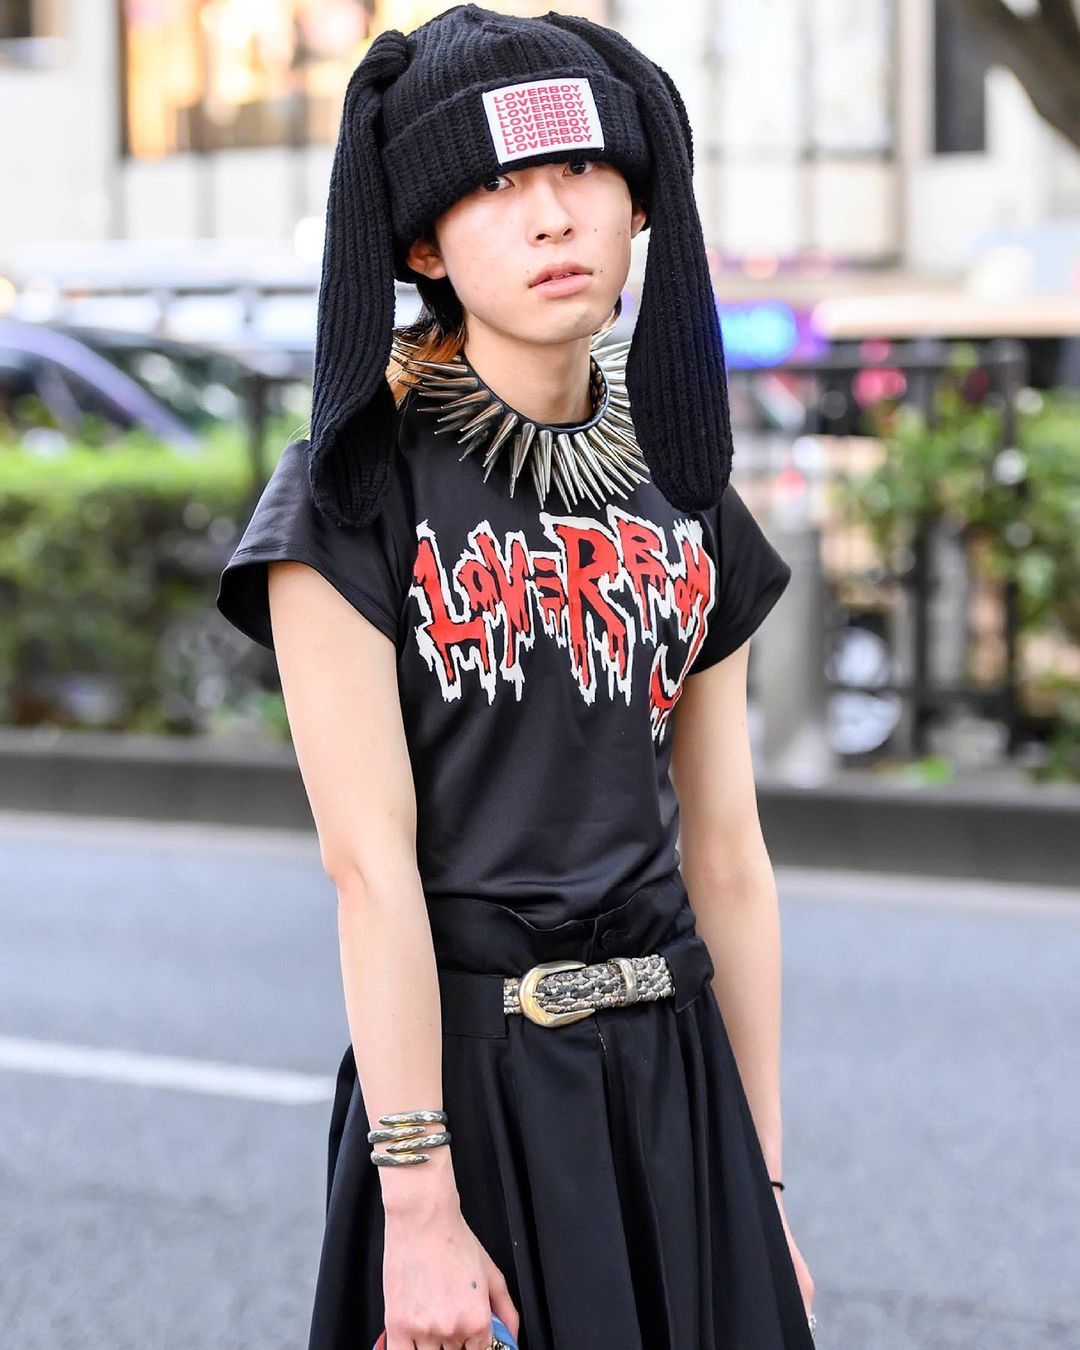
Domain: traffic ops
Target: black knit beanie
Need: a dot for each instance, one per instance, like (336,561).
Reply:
(427,118)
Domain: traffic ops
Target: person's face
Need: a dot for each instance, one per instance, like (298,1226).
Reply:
(494,241)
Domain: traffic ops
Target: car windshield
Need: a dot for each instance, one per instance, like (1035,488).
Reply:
(200,388)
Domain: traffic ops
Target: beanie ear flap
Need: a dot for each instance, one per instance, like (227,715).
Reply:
(676,375)
(353,407)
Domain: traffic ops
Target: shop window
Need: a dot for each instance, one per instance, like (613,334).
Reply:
(206,75)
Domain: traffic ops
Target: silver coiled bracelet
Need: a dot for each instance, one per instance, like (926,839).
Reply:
(409,1131)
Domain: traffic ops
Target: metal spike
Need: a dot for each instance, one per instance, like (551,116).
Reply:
(566,491)
(631,457)
(521,449)
(543,454)
(454,422)
(447,367)
(608,458)
(568,463)
(586,467)
(467,400)
(489,458)
(604,464)
(506,428)
(496,447)
(620,419)
(482,418)
(620,436)
(437,383)
(534,473)
(623,444)
(472,440)
(440,400)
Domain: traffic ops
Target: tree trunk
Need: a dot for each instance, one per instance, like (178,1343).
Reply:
(1042,50)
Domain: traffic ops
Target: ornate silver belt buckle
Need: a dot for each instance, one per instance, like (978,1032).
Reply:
(532,1009)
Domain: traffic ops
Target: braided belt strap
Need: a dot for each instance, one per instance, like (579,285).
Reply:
(564,991)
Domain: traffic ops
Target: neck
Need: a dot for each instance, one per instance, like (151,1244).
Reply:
(545,382)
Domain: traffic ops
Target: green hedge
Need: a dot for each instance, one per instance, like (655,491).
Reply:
(109,559)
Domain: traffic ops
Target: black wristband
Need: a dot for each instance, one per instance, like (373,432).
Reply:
(778,1184)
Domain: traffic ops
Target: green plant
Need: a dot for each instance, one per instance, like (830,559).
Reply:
(1019,503)
(109,558)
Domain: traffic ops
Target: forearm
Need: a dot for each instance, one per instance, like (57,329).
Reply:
(739,918)
(392,1004)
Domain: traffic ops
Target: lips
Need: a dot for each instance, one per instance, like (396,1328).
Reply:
(552,273)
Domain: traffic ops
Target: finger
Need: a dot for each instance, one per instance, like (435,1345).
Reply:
(502,1305)
(508,1315)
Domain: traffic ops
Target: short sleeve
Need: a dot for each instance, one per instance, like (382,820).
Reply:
(365,564)
(751,577)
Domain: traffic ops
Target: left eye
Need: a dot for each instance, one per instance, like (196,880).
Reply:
(573,163)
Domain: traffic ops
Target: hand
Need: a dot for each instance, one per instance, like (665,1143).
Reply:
(440,1286)
(802,1271)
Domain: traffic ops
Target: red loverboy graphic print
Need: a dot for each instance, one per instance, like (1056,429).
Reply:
(600,593)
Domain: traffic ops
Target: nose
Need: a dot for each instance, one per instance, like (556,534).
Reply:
(547,213)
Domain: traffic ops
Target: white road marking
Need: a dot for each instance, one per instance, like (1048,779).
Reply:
(56,1058)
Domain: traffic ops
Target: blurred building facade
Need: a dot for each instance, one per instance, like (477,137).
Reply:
(834,138)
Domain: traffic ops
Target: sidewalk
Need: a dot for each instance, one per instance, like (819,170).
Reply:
(997,827)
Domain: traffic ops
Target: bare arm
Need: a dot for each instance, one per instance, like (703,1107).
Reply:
(340,685)
(730,880)
(339,678)
(732,889)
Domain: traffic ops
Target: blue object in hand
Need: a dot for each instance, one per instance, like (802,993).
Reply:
(499,1332)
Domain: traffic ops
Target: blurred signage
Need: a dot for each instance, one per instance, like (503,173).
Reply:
(767,333)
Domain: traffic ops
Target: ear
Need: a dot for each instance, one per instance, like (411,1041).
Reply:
(424,257)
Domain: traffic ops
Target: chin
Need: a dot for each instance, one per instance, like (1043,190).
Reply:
(570,325)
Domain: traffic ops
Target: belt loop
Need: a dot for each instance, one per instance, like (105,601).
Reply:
(472,1004)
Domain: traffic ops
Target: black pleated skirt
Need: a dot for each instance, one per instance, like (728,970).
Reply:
(610,1166)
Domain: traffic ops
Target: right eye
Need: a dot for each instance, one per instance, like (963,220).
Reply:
(485,185)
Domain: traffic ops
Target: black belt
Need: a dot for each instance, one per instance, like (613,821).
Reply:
(475,1004)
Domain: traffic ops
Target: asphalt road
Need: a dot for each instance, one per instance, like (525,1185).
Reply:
(171,1019)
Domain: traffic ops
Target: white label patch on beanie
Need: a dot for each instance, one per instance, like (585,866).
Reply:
(539,115)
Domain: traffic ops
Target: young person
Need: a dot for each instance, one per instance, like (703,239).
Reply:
(511,592)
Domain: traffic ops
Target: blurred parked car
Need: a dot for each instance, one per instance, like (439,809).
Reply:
(52,384)
(72,382)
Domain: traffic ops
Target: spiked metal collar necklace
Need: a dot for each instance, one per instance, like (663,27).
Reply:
(595,458)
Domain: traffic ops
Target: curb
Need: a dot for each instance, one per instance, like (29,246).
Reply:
(1011,833)
(1004,831)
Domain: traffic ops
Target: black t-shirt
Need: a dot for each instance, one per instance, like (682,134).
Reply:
(539,654)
